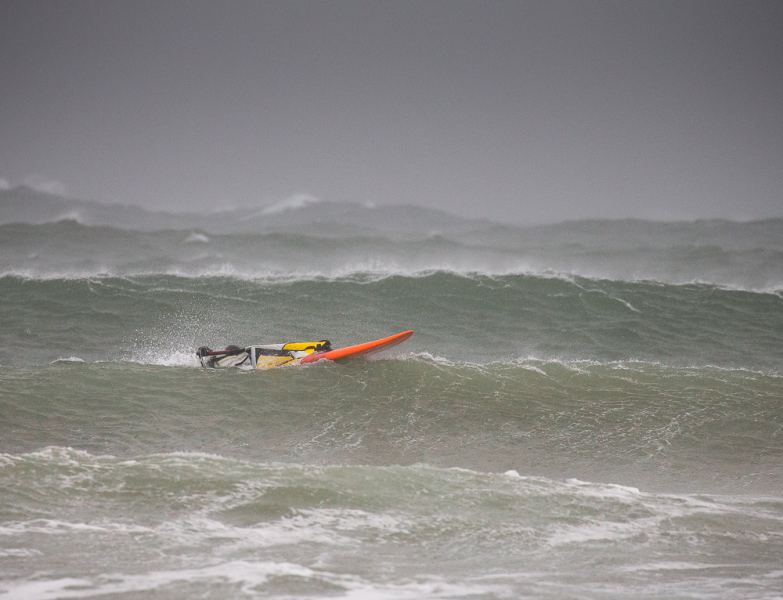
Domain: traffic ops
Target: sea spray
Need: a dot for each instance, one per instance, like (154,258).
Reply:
(587,410)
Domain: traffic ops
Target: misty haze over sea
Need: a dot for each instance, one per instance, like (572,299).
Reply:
(577,205)
(302,235)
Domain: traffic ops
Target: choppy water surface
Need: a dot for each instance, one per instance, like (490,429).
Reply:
(589,411)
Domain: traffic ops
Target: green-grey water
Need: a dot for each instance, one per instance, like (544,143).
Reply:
(583,412)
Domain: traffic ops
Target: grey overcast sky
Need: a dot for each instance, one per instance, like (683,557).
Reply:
(524,111)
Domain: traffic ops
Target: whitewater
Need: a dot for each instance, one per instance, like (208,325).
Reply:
(587,410)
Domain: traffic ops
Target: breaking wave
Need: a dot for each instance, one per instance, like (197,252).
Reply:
(588,409)
(234,521)
(68,250)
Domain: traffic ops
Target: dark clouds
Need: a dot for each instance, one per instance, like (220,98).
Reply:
(527,110)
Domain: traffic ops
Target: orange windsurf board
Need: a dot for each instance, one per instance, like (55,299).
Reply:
(359,349)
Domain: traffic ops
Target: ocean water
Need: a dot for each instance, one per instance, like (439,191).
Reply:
(587,410)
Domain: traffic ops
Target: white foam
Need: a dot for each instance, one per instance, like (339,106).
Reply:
(428,357)
(605,490)
(58,275)
(582,366)
(165,358)
(244,574)
(248,577)
(533,368)
(430,588)
(315,527)
(675,566)
(69,359)
(63,455)
(626,304)
(197,238)
(602,531)
(295,202)
(71,215)
(354,520)
(51,589)
(289,531)
(57,527)
(19,552)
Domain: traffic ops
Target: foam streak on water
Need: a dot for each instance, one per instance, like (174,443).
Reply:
(586,410)
(225,526)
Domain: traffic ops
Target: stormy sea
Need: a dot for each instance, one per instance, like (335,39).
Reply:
(591,409)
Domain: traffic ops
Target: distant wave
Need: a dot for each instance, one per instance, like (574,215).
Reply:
(295,202)
(69,250)
(359,275)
